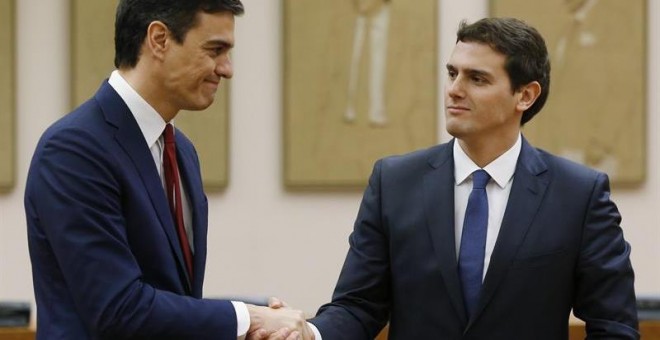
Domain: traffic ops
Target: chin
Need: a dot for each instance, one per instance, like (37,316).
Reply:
(201,105)
(206,105)
(454,129)
(458,130)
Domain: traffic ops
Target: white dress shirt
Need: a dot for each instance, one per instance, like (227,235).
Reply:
(152,126)
(501,172)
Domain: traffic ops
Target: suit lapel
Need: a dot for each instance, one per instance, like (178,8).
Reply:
(130,138)
(439,210)
(192,182)
(527,191)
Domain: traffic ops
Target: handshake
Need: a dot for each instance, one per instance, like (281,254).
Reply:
(277,322)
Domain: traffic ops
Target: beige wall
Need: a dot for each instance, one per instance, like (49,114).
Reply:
(262,239)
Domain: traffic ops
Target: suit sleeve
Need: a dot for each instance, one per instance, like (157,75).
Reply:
(74,193)
(605,295)
(360,303)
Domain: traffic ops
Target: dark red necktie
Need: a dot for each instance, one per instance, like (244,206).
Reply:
(173,188)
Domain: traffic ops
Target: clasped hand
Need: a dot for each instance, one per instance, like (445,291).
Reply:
(277,322)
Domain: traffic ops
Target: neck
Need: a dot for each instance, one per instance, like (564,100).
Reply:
(485,150)
(148,88)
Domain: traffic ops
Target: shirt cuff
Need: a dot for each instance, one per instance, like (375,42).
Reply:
(317,334)
(242,318)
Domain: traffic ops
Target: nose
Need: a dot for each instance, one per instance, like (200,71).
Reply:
(454,88)
(224,67)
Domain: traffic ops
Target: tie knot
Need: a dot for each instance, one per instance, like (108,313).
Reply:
(480,179)
(168,134)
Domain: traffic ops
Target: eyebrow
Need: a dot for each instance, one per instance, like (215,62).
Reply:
(218,43)
(471,71)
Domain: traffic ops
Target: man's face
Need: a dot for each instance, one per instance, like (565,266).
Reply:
(193,69)
(479,102)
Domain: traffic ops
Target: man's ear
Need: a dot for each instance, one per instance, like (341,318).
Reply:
(528,95)
(158,39)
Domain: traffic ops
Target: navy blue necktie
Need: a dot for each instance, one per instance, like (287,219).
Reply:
(473,241)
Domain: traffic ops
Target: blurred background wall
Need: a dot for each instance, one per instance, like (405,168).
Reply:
(264,240)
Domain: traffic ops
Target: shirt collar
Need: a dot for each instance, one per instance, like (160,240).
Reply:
(150,122)
(500,170)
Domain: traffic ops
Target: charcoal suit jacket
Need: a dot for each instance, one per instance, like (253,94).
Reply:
(560,247)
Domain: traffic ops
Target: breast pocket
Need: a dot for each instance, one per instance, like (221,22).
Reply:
(540,259)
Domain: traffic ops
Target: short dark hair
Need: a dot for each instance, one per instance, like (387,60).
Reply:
(523,46)
(134,16)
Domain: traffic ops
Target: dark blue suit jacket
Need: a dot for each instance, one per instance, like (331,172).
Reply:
(560,247)
(106,260)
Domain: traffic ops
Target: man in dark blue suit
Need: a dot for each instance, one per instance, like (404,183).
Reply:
(114,255)
(539,233)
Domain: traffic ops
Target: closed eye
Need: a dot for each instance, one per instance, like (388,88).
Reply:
(479,80)
(217,48)
(217,51)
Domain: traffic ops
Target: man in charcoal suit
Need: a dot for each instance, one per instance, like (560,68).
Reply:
(485,237)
